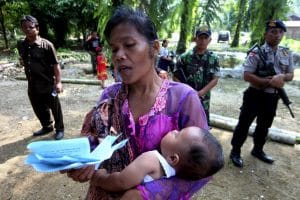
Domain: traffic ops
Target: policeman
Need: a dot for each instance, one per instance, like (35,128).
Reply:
(261,97)
(199,67)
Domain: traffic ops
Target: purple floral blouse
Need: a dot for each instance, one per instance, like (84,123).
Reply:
(176,106)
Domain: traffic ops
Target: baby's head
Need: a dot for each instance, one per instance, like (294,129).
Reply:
(193,152)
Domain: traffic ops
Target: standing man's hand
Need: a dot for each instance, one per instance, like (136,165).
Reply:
(88,38)
(58,87)
(57,74)
(201,93)
(277,81)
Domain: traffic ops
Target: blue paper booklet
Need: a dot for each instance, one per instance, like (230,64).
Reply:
(52,156)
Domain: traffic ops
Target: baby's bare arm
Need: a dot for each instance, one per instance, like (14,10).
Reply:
(129,177)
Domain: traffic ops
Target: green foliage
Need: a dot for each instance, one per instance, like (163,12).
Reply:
(69,55)
(209,10)
(62,16)
(266,10)
(293,45)
(10,13)
(242,4)
(187,21)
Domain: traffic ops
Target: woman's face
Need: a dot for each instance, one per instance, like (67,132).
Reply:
(131,53)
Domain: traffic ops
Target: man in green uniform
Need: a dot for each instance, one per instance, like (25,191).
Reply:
(199,67)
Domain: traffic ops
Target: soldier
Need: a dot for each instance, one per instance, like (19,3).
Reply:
(199,67)
(42,69)
(261,97)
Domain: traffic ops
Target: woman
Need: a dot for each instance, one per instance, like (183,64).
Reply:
(143,107)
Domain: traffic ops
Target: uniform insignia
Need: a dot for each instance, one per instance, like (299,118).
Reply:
(204,29)
(252,53)
(272,24)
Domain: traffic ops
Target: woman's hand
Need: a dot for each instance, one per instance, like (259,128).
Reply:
(98,176)
(81,175)
(104,113)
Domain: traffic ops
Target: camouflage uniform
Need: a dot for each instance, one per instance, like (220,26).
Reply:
(197,71)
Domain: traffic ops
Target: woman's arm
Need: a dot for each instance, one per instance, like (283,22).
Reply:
(131,176)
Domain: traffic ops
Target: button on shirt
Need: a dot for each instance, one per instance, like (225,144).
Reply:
(38,59)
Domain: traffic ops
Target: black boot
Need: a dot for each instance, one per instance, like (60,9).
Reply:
(260,154)
(43,131)
(236,159)
(59,135)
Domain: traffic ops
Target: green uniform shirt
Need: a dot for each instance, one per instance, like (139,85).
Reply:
(197,70)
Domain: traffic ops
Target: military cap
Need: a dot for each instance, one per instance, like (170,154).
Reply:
(203,30)
(275,24)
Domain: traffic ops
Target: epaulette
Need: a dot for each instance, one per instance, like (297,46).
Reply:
(253,52)
(285,50)
(212,54)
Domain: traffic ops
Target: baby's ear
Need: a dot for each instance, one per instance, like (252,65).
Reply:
(173,159)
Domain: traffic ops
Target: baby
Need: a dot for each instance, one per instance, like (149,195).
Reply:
(192,154)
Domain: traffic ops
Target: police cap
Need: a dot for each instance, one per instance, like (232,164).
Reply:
(275,24)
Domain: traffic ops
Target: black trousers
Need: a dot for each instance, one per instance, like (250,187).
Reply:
(256,104)
(94,63)
(42,104)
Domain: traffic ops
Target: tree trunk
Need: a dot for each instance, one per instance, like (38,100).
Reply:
(3,28)
(186,25)
(236,38)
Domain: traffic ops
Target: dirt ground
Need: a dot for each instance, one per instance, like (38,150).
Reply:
(256,180)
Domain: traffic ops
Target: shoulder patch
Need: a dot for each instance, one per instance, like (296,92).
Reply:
(252,53)
(285,51)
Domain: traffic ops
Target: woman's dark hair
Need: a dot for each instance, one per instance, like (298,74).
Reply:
(138,19)
(203,159)
(29,18)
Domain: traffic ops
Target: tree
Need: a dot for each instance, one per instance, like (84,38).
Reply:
(187,20)
(209,12)
(266,10)
(10,13)
(58,17)
(241,14)
(2,4)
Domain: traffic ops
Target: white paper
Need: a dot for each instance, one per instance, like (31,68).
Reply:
(52,156)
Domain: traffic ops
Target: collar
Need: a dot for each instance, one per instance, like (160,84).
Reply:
(37,42)
(268,48)
(195,51)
